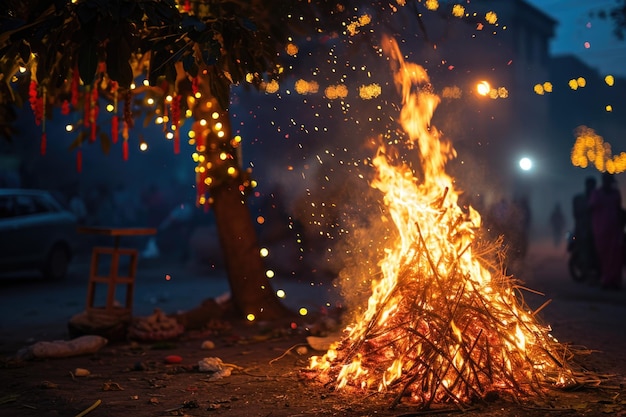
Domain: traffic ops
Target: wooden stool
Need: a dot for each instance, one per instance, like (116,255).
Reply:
(113,279)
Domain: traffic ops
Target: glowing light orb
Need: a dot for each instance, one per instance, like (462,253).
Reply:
(280,293)
(251,317)
(303,311)
(526,164)
(483,88)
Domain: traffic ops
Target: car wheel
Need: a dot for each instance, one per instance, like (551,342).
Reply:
(57,262)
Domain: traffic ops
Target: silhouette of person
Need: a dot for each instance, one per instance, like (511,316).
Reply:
(583,233)
(557,222)
(608,231)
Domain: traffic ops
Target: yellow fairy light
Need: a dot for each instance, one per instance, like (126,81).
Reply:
(458,10)
(168,98)
(368,92)
(303,311)
(269,273)
(271,87)
(281,293)
(215,115)
(291,49)
(264,252)
(491,17)
(232,171)
(581,82)
(306,87)
(69,128)
(573,84)
(169,135)
(146,83)
(251,317)
(198,95)
(432,4)
(221,134)
(336,91)
(208,180)
(452,92)
(590,148)
(203,122)
(143,146)
(223,156)
(547,86)
(110,107)
(609,108)
(609,80)
(539,89)
(503,92)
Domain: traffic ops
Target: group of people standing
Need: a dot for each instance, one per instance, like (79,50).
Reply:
(599,231)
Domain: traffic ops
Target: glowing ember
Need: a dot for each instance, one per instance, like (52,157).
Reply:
(442,324)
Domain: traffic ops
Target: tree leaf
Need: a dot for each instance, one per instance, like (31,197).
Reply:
(80,138)
(105,142)
(87,61)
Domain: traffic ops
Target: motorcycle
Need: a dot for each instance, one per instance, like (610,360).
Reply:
(577,259)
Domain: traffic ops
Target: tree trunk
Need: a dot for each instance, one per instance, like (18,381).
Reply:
(250,288)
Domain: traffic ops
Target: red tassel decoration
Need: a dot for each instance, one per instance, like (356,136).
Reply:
(86,109)
(44,143)
(194,85)
(128,113)
(79,160)
(93,116)
(125,150)
(65,108)
(176,122)
(114,128)
(115,120)
(176,142)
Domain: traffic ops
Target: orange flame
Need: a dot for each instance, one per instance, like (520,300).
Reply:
(438,326)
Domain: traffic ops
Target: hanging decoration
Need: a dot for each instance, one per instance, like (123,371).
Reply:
(86,107)
(44,138)
(93,114)
(114,119)
(79,160)
(175,125)
(74,87)
(128,123)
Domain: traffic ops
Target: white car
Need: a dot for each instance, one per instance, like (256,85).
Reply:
(36,232)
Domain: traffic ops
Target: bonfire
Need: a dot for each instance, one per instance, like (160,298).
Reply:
(442,324)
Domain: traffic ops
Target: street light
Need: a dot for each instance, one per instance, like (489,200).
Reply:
(525,164)
(483,88)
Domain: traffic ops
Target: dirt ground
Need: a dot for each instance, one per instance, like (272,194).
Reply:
(270,379)
(269,376)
